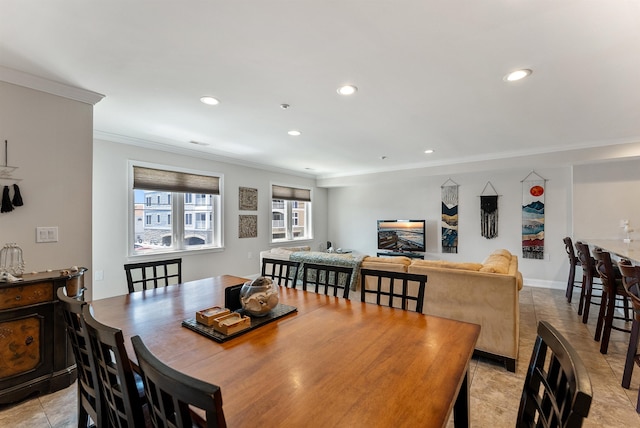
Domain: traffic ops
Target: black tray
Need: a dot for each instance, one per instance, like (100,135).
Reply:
(275,313)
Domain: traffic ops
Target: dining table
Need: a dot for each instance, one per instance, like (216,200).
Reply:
(331,362)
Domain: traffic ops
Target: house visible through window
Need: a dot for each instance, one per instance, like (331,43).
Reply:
(290,214)
(175,193)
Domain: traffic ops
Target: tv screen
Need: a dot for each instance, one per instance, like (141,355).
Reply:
(401,235)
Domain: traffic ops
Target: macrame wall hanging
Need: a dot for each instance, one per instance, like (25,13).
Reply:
(7,179)
(489,211)
(449,190)
(533,189)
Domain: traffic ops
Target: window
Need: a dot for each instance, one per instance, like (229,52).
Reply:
(173,191)
(290,214)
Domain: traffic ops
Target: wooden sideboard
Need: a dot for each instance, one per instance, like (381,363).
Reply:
(35,354)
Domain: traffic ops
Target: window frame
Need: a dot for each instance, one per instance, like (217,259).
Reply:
(177,202)
(289,207)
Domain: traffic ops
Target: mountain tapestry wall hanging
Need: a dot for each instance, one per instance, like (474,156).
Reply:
(533,189)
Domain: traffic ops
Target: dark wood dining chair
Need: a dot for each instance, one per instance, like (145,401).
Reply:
(573,263)
(612,292)
(327,279)
(154,274)
(121,390)
(282,272)
(557,389)
(395,289)
(631,283)
(170,394)
(589,273)
(90,405)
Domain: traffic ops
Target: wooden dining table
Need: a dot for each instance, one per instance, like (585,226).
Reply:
(333,362)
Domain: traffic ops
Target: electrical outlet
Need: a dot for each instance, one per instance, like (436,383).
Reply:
(47,234)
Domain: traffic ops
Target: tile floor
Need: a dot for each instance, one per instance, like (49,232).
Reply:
(495,393)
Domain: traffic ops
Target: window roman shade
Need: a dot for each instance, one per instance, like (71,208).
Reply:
(290,193)
(173,181)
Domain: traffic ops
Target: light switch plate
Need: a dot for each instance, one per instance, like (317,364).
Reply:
(47,234)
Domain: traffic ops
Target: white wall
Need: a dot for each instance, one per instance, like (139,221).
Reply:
(110,211)
(354,209)
(50,140)
(604,194)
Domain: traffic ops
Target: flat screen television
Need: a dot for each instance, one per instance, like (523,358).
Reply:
(401,235)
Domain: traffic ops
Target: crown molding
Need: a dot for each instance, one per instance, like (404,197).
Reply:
(31,81)
(147,144)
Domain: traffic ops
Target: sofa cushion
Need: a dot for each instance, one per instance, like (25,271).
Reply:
(288,250)
(496,263)
(448,265)
(395,260)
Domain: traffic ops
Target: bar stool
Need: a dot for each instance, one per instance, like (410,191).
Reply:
(612,289)
(573,262)
(589,272)
(631,283)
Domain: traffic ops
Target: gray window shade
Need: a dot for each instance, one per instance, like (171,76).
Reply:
(173,181)
(290,193)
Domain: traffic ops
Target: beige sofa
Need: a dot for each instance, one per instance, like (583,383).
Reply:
(480,293)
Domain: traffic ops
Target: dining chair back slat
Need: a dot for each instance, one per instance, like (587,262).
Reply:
(282,272)
(90,407)
(631,282)
(395,289)
(153,274)
(557,389)
(589,274)
(573,263)
(612,291)
(123,397)
(327,279)
(171,394)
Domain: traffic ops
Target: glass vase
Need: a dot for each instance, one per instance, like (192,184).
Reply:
(11,260)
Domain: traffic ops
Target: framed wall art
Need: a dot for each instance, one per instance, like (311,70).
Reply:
(248,226)
(248,198)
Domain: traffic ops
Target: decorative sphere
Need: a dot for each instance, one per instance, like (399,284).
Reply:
(259,296)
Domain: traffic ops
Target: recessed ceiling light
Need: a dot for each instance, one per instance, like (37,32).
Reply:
(517,75)
(294,133)
(428,151)
(347,90)
(210,100)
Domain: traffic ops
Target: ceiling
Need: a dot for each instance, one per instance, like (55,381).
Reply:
(429,76)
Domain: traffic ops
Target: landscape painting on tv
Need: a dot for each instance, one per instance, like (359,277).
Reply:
(401,235)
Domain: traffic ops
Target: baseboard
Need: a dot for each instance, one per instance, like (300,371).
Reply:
(541,283)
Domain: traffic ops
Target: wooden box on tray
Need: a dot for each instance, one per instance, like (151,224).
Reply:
(231,323)
(222,320)
(207,316)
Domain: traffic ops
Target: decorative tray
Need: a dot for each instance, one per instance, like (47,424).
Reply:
(278,312)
